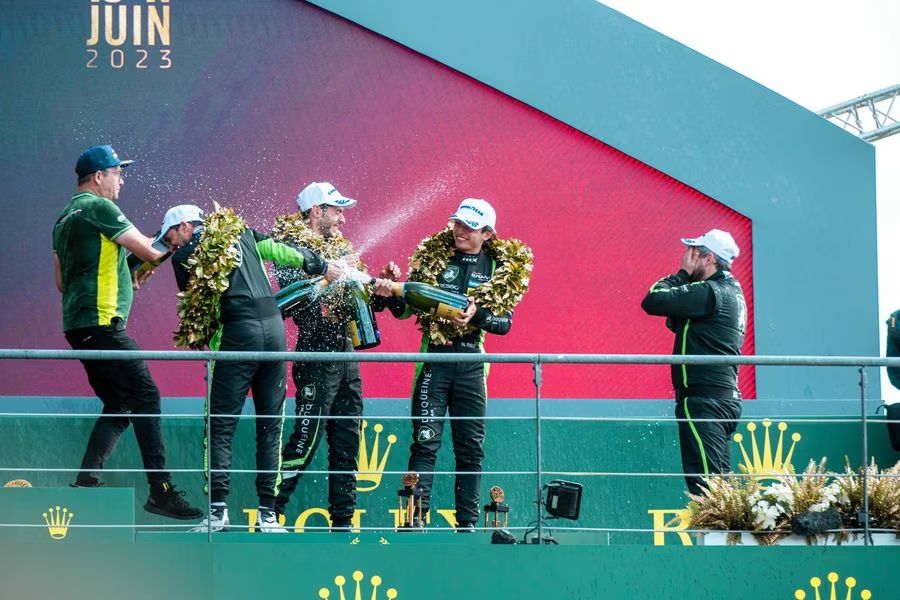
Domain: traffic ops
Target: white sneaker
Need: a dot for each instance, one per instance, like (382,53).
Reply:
(217,521)
(267,522)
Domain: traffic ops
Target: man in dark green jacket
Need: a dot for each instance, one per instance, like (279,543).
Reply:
(893,351)
(704,305)
(249,321)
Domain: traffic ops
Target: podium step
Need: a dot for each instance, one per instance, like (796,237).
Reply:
(66,514)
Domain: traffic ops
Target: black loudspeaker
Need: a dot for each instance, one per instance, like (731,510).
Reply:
(893,414)
(815,523)
(563,499)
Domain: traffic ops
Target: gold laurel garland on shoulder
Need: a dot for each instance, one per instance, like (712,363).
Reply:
(209,267)
(293,229)
(500,294)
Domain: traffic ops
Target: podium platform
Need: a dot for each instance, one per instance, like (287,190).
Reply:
(366,538)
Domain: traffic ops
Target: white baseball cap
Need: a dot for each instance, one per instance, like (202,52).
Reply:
(183,213)
(476,213)
(322,192)
(718,242)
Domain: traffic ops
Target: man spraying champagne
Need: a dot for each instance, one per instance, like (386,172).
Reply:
(325,323)
(469,260)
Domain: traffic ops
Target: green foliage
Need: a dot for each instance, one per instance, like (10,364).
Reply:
(209,266)
(502,293)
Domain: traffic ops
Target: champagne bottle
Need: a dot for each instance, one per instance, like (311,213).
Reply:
(298,295)
(430,299)
(363,328)
(136,264)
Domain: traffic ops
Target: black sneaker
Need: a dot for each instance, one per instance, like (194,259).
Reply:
(165,500)
(87,484)
(340,525)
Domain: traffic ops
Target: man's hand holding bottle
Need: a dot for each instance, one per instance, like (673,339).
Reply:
(384,283)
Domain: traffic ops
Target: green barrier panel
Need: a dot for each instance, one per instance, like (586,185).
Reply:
(66,515)
(438,571)
(611,501)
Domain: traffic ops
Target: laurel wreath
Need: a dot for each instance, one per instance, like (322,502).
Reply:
(209,266)
(500,294)
(294,229)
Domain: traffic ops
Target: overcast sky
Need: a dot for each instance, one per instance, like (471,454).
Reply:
(817,53)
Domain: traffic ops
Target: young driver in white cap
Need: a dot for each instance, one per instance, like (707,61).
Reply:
(457,387)
(705,307)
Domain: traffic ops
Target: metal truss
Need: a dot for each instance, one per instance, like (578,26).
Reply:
(868,116)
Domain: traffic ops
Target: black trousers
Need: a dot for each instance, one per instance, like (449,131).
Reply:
(705,446)
(459,388)
(124,387)
(325,390)
(230,383)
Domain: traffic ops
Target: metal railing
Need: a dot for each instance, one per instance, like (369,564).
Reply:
(537,360)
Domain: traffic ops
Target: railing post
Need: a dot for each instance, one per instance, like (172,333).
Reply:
(206,450)
(540,473)
(864,513)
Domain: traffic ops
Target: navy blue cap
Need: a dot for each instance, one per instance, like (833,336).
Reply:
(98,158)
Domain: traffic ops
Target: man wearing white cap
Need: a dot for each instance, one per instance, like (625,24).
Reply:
(474,267)
(705,307)
(248,320)
(323,389)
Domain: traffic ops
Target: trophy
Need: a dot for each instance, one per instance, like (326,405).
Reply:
(496,508)
(410,516)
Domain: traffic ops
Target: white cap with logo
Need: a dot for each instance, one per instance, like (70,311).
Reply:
(718,242)
(476,213)
(183,213)
(322,192)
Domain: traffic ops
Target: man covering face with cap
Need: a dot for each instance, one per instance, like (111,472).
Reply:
(457,387)
(705,307)
(90,238)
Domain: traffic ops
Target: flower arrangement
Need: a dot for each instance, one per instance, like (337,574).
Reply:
(739,503)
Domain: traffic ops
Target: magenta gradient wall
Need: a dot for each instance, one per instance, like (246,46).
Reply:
(249,126)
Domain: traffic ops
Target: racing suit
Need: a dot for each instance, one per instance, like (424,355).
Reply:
(457,387)
(892,350)
(324,389)
(250,321)
(708,317)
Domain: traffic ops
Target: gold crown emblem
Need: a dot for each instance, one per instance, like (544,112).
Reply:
(22,483)
(370,467)
(375,581)
(767,465)
(58,522)
(833,577)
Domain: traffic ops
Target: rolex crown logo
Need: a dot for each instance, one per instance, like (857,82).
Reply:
(57,521)
(371,461)
(767,465)
(374,582)
(833,578)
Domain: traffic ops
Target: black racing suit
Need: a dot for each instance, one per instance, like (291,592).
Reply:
(324,389)
(459,387)
(250,321)
(708,317)
(892,350)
